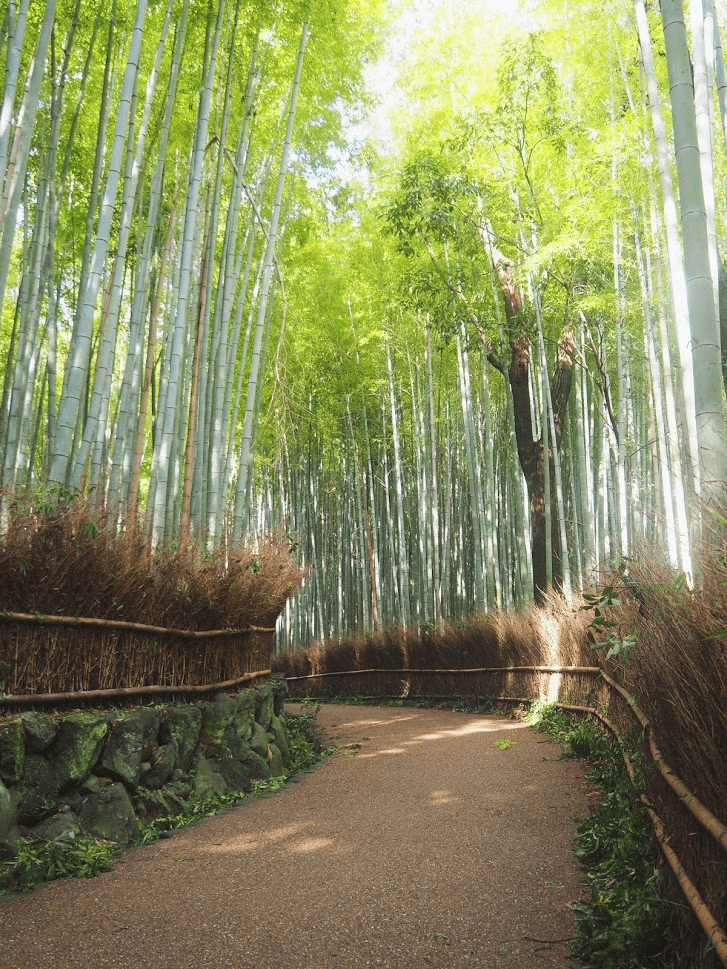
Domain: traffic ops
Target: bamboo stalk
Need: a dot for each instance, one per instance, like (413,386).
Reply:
(702,813)
(132,626)
(84,695)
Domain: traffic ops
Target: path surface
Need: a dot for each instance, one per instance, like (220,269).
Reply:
(427,846)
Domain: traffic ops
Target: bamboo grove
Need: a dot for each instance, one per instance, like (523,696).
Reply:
(456,363)
(145,153)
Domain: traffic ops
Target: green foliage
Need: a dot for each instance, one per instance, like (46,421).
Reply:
(548,718)
(66,857)
(503,743)
(46,501)
(91,530)
(626,924)
(617,646)
(586,743)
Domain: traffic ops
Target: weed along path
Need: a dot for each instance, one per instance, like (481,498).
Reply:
(430,838)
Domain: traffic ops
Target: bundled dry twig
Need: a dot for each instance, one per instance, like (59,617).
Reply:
(76,563)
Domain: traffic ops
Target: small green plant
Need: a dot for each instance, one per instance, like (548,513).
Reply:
(311,705)
(616,646)
(584,742)
(503,744)
(47,501)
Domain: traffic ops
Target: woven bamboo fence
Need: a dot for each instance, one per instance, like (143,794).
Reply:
(45,655)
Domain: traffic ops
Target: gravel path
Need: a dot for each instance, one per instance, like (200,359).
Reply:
(425,846)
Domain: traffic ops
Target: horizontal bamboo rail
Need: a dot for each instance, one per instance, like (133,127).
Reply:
(82,696)
(690,800)
(711,928)
(129,626)
(483,669)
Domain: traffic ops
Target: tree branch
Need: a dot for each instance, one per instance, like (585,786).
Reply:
(605,382)
(492,357)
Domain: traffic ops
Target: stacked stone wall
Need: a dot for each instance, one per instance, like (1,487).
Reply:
(99,773)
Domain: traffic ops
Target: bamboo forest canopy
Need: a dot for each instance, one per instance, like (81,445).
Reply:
(434,289)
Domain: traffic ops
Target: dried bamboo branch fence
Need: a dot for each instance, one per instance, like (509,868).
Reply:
(709,822)
(87,607)
(70,658)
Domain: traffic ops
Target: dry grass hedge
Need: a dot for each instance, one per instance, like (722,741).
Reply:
(536,638)
(75,562)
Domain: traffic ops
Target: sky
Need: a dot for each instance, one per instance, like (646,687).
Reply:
(417,17)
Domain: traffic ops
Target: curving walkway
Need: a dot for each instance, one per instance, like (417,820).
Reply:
(427,846)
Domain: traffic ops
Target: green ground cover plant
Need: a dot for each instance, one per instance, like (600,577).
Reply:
(626,923)
(82,856)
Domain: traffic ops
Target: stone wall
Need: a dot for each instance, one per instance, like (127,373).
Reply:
(98,773)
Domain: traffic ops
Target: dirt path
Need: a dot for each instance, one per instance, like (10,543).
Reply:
(427,845)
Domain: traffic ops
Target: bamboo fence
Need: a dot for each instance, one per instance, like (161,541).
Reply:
(47,655)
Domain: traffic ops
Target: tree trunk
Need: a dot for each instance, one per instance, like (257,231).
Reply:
(531,451)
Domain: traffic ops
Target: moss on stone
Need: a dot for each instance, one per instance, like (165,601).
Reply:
(124,748)
(217,715)
(9,832)
(181,725)
(280,736)
(259,740)
(77,747)
(206,779)
(160,768)
(62,825)
(12,751)
(110,815)
(275,760)
(40,731)
(37,792)
(264,705)
(258,766)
